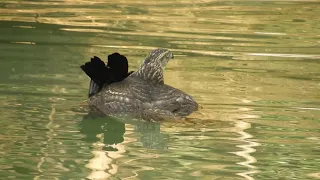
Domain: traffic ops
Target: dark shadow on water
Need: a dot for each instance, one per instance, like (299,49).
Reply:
(151,136)
(113,130)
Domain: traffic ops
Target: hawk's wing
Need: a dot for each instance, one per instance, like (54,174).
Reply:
(174,100)
(125,96)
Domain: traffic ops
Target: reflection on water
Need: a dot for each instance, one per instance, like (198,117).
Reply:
(248,148)
(151,137)
(112,130)
(107,137)
(253,66)
(49,136)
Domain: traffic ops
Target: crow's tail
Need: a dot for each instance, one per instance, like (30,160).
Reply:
(98,72)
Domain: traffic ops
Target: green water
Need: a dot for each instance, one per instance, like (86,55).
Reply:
(253,66)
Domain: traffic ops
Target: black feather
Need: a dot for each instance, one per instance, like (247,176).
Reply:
(116,70)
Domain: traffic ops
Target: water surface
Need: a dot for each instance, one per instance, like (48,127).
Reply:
(252,66)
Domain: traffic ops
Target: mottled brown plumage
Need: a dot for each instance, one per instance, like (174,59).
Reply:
(143,94)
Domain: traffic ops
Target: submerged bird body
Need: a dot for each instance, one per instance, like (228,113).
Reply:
(131,96)
(143,93)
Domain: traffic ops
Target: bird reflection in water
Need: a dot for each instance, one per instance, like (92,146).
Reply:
(95,126)
(151,136)
(113,129)
(107,135)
